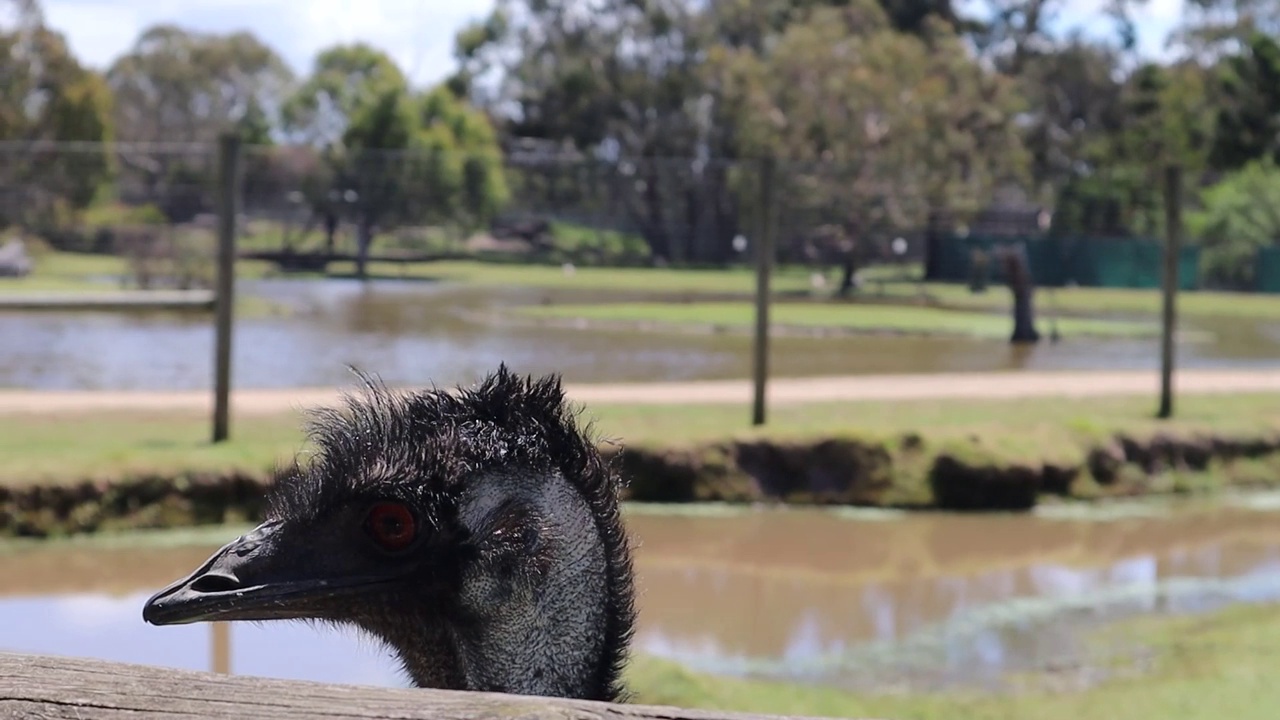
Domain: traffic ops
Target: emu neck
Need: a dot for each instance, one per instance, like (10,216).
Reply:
(534,611)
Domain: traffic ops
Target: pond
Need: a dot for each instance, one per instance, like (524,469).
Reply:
(849,599)
(416,332)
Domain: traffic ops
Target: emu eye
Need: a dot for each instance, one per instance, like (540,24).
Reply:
(391,525)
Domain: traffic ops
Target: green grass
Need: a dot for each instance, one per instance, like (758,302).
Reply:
(71,447)
(1220,665)
(572,237)
(845,316)
(75,272)
(98,445)
(1077,301)
(1094,301)
(72,272)
(81,272)
(633,279)
(68,272)
(63,272)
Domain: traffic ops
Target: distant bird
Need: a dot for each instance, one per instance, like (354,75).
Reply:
(477,533)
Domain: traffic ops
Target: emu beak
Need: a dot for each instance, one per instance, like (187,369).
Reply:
(258,576)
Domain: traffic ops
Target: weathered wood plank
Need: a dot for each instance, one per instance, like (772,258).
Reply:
(36,686)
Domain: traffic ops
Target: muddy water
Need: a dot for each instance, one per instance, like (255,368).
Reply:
(414,332)
(844,599)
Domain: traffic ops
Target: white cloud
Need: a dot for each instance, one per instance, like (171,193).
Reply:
(418,34)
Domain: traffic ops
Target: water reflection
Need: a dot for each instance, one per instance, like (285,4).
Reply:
(110,627)
(414,331)
(932,599)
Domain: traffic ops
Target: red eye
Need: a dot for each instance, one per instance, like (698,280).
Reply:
(391,525)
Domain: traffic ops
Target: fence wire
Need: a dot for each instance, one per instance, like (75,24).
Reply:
(553,205)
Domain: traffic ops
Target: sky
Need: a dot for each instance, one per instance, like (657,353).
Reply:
(418,34)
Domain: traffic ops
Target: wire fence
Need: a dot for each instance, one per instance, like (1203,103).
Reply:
(547,204)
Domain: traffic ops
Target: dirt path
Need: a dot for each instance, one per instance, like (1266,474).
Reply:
(782,390)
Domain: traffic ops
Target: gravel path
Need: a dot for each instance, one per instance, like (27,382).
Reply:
(781,390)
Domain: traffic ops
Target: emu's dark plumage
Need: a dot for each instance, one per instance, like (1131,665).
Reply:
(521,578)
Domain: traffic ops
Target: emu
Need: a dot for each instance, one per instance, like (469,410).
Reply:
(477,533)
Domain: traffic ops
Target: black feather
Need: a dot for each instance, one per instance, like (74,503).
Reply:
(423,447)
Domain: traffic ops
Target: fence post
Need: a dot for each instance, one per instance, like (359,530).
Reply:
(220,647)
(1172,259)
(228,196)
(764,265)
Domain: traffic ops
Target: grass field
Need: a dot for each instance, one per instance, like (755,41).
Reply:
(1096,301)
(71,272)
(843,316)
(77,272)
(68,272)
(553,277)
(71,447)
(1220,665)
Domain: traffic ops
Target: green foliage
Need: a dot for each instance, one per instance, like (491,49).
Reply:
(109,214)
(48,96)
(1248,124)
(581,243)
(343,79)
(177,85)
(892,114)
(1119,202)
(1240,215)
(254,127)
(420,159)
(466,162)
(901,125)
(1125,134)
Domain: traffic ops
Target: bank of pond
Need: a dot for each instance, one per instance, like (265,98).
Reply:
(906,472)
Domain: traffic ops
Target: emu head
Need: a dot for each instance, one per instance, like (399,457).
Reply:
(477,533)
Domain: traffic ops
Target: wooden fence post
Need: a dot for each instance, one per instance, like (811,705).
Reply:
(228,201)
(764,246)
(1172,259)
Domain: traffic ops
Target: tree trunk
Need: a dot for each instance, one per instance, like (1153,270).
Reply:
(848,274)
(363,240)
(852,245)
(330,229)
(932,245)
(1018,273)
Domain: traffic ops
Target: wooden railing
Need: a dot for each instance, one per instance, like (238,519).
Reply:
(37,686)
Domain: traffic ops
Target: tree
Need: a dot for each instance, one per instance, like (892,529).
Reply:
(48,97)
(1248,121)
(1016,31)
(876,130)
(465,179)
(177,85)
(1240,215)
(180,86)
(750,23)
(1074,107)
(1214,28)
(418,159)
(343,78)
(1017,271)
(618,83)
